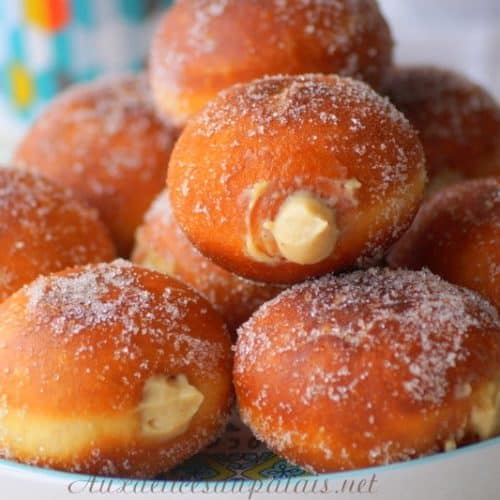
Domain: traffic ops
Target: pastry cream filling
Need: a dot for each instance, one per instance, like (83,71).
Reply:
(485,416)
(251,246)
(450,445)
(350,188)
(59,438)
(305,229)
(166,410)
(167,407)
(154,261)
(257,255)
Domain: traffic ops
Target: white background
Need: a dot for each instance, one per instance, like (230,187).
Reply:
(459,34)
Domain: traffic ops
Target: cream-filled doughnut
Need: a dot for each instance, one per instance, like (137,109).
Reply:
(370,368)
(111,369)
(291,177)
(202,47)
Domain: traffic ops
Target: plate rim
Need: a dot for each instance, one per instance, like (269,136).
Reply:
(45,474)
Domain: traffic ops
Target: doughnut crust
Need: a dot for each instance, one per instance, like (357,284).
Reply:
(291,177)
(111,370)
(104,141)
(44,228)
(205,46)
(370,368)
(458,122)
(161,245)
(456,235)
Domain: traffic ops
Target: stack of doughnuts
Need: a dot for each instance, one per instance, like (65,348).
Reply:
(332,175)
(370,368)
(297,223)
(111,369)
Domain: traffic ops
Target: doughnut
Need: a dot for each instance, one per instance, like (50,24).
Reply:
(456,235)
(289,177)
(105,142)
(111,369)
(458,122)
(204,46)
(369,368)
(162,246)
(43,229)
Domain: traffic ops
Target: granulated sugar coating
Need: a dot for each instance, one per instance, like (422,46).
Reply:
(79,349)
(368,368)
(256,145)
(205,46)
(458,121)
(104,140)
(44,228)
(456,234)
(282,100)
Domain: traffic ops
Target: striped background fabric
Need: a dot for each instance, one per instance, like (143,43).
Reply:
(48,44)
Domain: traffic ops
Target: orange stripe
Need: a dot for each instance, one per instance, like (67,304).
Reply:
(59,14)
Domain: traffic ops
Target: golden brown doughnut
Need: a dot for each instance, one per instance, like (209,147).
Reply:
(161,245)
(44,228)
(458,122)
(370,368)
(204,46)
(104,141)
(111,369)
(290,177)
(456,234)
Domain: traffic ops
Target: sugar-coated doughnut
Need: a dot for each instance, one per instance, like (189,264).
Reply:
(370,368)
(111,369)
(204,46)
(162,245)
(290,177)
(458,122)
(105,141)
(456,235)
(44,228)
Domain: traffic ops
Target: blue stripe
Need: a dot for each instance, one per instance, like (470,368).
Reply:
(83,12)
(88,74)
(17,44)
(5,83)
(62,49)
(136,66)
(133,10)
(46,85)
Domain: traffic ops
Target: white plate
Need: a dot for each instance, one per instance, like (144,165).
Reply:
(470,473)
